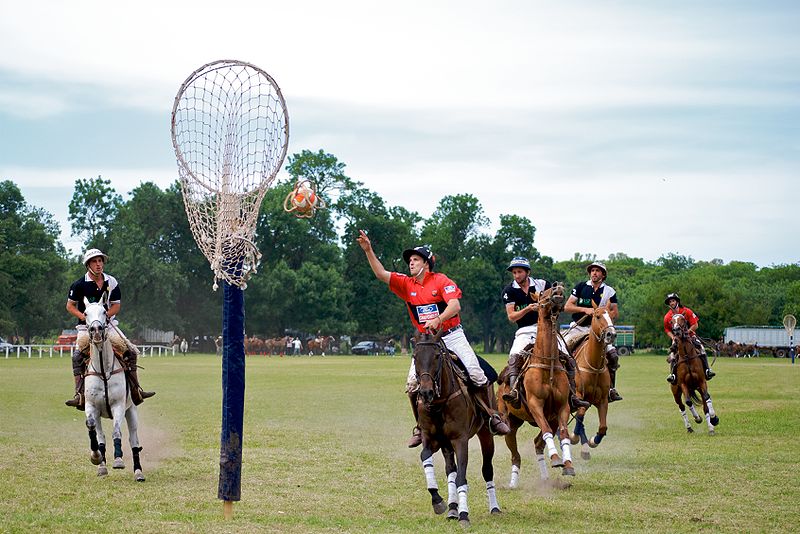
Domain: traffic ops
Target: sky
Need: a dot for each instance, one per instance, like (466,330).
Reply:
(642,128)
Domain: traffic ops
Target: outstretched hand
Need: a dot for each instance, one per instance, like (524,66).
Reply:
(364,241)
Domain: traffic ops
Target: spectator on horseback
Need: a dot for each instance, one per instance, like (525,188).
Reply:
(675,307)
(92,286)
(433,305)
(579,305)
(519,298)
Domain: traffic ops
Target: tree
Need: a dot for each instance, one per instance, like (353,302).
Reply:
(93,206)
(33,269)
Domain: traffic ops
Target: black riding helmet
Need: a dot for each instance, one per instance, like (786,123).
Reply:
(672,296)
(423,252)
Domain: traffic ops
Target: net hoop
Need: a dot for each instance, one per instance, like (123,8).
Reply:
(230,131)
(789,322)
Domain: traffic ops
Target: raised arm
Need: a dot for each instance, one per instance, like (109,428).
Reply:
(377,267)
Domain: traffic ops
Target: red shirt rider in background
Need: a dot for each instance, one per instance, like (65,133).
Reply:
(675,308)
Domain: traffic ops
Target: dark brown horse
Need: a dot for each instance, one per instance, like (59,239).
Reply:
(593,379)
(448,418)
(691,380)
(544,392)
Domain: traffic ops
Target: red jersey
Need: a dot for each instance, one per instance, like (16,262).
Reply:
(691,318)
(427,300)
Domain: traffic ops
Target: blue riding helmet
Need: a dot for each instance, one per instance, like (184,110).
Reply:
(519,261)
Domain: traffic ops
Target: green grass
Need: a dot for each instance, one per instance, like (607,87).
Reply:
(324,451)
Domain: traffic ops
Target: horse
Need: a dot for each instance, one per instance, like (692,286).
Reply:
(107,395)
(320,345)
(544,392)
(593,379)
(448,418)
(691,379)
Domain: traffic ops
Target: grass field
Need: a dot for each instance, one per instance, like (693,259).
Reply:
(324,451)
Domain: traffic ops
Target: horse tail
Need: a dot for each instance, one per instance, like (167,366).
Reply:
(695,398)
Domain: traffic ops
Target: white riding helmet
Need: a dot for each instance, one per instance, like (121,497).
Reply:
(93,253)
(600,266)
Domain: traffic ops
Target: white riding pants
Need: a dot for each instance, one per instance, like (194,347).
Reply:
(457,342)
(524,337)
(577,333)
(117,341)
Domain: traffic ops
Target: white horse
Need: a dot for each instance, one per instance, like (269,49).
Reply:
(107,395)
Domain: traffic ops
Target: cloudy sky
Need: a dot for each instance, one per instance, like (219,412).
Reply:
(614,126)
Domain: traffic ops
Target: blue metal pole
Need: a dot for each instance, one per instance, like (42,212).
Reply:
(233,363)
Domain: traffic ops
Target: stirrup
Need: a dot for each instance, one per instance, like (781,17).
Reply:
(577,402)
(497,426)
(613,395)
(671,378)
(416,438)
(146,394)
(710,374)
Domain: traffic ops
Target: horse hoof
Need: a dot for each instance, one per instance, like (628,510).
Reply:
(95,458)
(452,514)
(102,471)
(513,485)
(568,471)
(586,455)
(698,419)
(463,519)
(138,476)
(715,420)
(711,432)
(689,430)
(439,507)
(496,511)
(558,462)
(119,463)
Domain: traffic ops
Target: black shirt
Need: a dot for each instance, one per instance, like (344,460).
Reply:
(512,293)
(86,287)
(586,294)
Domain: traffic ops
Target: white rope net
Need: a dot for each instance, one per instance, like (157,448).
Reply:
(230,131)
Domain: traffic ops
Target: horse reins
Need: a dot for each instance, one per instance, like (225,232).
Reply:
(102,373)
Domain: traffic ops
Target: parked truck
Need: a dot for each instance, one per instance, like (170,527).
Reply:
(773,339)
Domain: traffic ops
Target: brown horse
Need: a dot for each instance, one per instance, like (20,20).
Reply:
(691,379)
(544,392)
(448,418)
(320,345)
(593,379)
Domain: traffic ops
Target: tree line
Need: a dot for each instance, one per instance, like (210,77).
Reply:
(314,277)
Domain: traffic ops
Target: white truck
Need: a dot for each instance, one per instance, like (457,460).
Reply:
(766,338)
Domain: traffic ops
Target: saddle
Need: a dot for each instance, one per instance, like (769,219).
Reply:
(463,375)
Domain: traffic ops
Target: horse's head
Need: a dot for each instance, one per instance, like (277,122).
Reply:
(96,320)
(680,327)
(602,325)
(551,301)
(429,354)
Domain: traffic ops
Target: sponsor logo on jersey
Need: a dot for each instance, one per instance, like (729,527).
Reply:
(427,312)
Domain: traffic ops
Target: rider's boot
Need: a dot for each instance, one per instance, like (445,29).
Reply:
(78,401)
(138,395)
(575,402)
(704,358)
(673,362)
(512,395)
(613,364)
(496,423)
(416,434)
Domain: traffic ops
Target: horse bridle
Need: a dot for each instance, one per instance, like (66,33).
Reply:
(441,351)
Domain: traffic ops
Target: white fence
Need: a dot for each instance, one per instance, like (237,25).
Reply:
(60,351)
